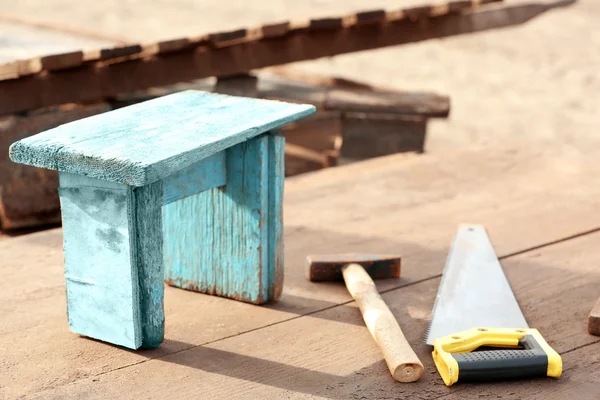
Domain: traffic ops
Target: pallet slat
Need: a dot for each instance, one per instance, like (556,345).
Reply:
(231,53)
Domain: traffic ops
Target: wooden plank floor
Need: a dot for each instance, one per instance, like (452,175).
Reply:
(22,43)
(540,209)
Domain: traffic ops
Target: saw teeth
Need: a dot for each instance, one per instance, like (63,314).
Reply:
(428,330)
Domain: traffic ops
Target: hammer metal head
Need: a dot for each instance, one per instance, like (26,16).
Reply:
(329,267)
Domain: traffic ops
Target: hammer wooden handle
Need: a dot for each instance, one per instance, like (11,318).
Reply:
(402,361)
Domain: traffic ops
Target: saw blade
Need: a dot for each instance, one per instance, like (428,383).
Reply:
(474,291)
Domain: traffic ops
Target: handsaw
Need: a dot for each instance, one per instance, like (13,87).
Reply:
(475,308)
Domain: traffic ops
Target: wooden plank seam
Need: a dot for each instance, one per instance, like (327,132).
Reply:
(241,35)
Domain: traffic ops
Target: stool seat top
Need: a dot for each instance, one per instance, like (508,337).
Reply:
(142,143)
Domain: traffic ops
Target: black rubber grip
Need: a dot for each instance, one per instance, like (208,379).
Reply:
(529,362)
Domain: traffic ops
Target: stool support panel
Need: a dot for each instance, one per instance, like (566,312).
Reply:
(198,177)
(227,241)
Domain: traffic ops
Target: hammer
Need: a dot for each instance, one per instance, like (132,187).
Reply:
(357,272)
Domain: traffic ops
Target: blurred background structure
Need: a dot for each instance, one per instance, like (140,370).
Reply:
(414,77)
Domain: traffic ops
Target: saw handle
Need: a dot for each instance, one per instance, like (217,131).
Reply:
(530,356)
(401,360)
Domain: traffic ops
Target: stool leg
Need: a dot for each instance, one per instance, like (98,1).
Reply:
(149,252)
(113,260)
(276,168)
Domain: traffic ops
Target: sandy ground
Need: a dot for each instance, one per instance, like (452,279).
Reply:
(536,84)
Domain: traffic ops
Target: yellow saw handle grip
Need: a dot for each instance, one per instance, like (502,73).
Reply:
(528,356)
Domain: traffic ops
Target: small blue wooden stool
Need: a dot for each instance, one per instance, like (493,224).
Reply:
(186,188)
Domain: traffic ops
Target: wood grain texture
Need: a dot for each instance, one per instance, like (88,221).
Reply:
(594,319)
(276,184)
(113,260)
(28,195)
(90,83)
(103,300)
(219,39)
(369,101)
(404,204)
(203,175)
(148,255)
(227,241)
(403,363)
(367,135)
(331,355)
(145,142)
(26,49)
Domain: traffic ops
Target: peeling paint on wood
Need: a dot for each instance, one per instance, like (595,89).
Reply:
(192,180)
(203,175)
(148,256)
(227,241)
(113,260)
(275,260)
(148,141)
(100,272)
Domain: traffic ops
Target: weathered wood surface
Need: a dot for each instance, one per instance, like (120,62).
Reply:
(102,291)
(203,57)
(594,319)
(145,142)
(149,258)
(65,56)
(403,364)
(369,101)
(113,260)
(331,355)
(227,240)
(333,94)
(354,121)
(312,143)
(368,135)
(27,50)
(198,177)
(28,195)
(525,199)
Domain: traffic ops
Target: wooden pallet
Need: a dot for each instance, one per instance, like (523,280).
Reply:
(45,72)
(81,75)
(353,122)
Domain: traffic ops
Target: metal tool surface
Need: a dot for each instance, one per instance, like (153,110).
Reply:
(475,308)
(474,290)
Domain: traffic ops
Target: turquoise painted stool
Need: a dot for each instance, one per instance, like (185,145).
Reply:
(186,188)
